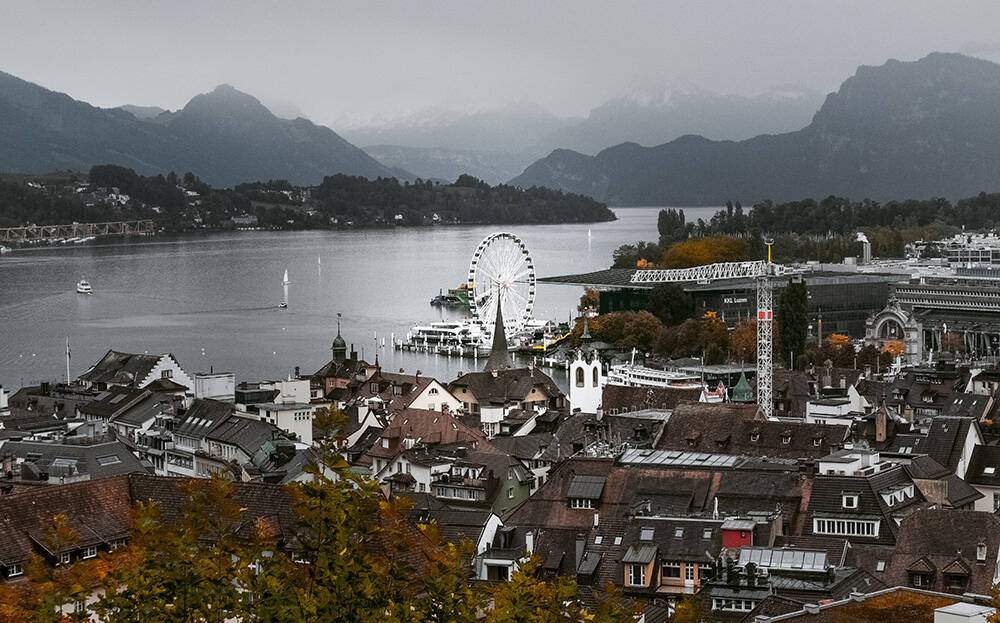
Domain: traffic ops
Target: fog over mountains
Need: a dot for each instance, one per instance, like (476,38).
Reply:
(492,143)
(900,130)
(225,137)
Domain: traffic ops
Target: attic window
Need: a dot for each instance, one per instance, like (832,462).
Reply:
(850,500)
(598,539)
(817,441)
(618,540)
(111,459)
(706,533)
(754,436)
(786,439)
(432,391)
(646,534)
(981,552)
(678,532)
(990,470)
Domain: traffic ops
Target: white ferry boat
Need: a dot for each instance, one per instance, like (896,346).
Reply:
(461,332)
(631,375)
(83,287)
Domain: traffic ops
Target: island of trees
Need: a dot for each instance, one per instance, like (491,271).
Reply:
(184,202)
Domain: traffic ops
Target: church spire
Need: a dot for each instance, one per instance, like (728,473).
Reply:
(498,353)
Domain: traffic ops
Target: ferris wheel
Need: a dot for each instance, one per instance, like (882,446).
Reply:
(502,273)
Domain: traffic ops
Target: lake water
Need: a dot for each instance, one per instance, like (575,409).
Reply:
(211,299)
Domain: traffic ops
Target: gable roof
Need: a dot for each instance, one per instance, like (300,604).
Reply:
(513,384)
(946,439)
(933,540)
(118,368)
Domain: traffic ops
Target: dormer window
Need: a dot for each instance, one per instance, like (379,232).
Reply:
(374,388)
(678,533)
(706,533)
(755,436)
(849,500)
(786,439)
(646,534)
(817,441)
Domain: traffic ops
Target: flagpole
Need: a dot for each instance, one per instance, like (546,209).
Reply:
(67,360)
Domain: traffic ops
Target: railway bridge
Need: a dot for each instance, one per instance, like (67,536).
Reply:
(32,233)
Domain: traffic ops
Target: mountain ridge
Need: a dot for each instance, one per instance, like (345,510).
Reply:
(902,129)
(225,136)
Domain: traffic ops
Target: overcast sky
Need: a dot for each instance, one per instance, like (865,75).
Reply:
(367,58)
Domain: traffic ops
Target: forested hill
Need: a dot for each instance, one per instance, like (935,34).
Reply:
(905,129)
(179,203)
(468,200)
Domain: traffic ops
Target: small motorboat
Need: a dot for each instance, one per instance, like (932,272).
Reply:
(282,305)
(4,250)
(83,287)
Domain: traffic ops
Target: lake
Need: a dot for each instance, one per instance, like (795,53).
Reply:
(212,299)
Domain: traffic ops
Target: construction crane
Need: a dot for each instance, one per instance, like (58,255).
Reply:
(761,272)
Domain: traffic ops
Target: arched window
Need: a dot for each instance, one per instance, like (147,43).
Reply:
(596,383)
(579,377)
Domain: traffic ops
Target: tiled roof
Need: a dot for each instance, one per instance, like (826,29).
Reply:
(947,539)
(622,399)
(827,501)
(731,430)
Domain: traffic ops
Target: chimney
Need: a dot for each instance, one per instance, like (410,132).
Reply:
(529,541)
(581,540)
(881,423)
(297,374)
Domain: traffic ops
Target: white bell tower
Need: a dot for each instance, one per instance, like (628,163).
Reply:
(586,378)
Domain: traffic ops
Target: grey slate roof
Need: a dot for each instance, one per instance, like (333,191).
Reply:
(117,368)
(202,416)
(585,487)
(100,460)
(983,459)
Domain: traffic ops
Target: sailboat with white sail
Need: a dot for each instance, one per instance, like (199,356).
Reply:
(284,286)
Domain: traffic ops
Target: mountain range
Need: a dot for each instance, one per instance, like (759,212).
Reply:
(497,144)
(225,137)
(901,130)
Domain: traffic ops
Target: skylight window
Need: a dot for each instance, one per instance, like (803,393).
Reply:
(646,534)
(111,459)
(618,540)
(880,565)
(678,532)
(990,471)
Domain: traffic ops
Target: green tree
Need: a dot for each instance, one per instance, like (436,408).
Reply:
(671,227)
(670,303)
(184,570)
(793,319)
